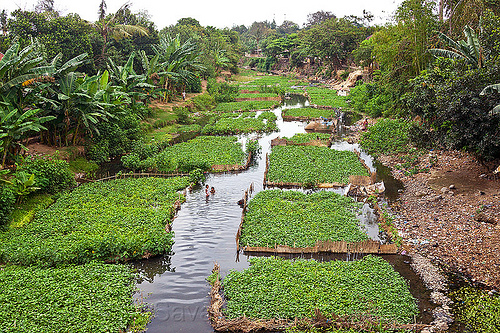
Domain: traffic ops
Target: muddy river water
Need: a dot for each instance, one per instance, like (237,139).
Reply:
(174,285)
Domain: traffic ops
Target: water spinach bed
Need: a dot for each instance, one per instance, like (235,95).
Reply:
(202,152)
(301,138)
(309,166)
(112,221)
(246,106)
(276,288)
(245,122)
(276,217)
(307,113)
(94,297)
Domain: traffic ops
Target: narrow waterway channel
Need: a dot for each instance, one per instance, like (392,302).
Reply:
(205,228)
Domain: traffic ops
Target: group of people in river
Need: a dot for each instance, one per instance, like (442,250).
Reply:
(208,192)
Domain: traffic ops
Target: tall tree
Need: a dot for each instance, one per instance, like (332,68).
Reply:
(102,10)
(110,28)
(318,18)
(3,22)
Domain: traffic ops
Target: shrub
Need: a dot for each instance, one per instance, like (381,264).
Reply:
(387,136)
(7,200)
(52,174)
(222,92)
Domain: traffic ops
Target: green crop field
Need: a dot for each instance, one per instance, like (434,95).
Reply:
(310,165)
(280,288)
(292,218)
(326,97)
(114,220)
(201,153)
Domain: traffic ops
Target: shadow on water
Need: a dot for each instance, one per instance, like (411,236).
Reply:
(205,230)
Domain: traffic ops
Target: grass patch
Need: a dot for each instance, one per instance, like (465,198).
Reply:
(116,220)
(90,298)
(310,165)
(80,164)
(280,288)
(277,217)
(245,122)
(24,212)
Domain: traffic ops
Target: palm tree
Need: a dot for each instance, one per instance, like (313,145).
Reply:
(110,28)
(469,50)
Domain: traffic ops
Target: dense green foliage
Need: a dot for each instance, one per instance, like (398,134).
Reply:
(455,115)
(479,311)
(236,123)
(52,174)
(311,113)
(90,298)
(292,218)
(387,136)
(245,106)
(280,288)
(115,220)
(311,165)
(308,137)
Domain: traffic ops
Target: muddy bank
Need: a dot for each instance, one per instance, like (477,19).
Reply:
(450,214)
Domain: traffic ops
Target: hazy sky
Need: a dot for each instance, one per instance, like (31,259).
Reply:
(222,13)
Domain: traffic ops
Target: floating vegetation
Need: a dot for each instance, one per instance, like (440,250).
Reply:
(246,106)
(308,113)
(245,122)
(300,220)
(95,297)
(280,288)
(309,166)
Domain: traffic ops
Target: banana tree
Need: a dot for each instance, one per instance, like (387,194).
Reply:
(178,61)
(469,50)
(489,89)
(20,68)
(15,125)
(130,83)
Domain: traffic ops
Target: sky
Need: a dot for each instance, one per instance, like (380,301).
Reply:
(222,13)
